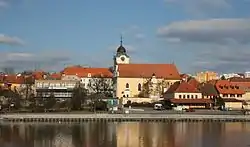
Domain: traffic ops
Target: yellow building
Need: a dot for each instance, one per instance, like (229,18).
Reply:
(141,80)
(206,76)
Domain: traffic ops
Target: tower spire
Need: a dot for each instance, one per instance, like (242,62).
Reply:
(121,40)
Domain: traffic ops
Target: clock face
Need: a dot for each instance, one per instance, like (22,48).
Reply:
(122,58)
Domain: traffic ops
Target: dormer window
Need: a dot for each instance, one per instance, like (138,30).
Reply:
(89,74)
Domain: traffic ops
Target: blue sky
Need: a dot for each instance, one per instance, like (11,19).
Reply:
(196,35)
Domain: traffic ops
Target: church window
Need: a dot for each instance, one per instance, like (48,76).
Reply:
(139,87)
(127,85)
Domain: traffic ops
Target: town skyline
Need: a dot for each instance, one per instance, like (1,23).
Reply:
(207,35)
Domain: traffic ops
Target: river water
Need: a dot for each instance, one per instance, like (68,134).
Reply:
(127,134)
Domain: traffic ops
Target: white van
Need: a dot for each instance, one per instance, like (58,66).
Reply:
(158,107)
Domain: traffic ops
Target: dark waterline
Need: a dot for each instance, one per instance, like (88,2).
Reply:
(134,134)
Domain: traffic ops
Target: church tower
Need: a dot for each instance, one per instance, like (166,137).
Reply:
(121,56)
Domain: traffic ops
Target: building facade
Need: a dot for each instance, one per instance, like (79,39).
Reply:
(206,76)
(59,89)
(141,80)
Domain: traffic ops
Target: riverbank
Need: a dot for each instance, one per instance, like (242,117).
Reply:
(78,118)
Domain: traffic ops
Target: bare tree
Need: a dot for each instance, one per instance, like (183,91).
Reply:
(101,86)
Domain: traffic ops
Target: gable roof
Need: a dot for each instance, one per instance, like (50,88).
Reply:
(208,89)
(194,82)
(84,71)
(182,87)
(13,79)
(227,87)
(168,71)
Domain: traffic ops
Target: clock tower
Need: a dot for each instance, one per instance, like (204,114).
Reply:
(121,56)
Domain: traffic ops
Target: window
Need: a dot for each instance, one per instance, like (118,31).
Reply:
(188,96)
(180,96)
(231,95)
(184,96)
(225,95)
(239,95)
(196,96)
(192,96)
(139,87)
(127,85)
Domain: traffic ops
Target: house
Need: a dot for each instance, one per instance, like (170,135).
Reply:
(88,76)
(14,82)
(206,76)
(230,93)
(60,89)
(184,94)
(244,84)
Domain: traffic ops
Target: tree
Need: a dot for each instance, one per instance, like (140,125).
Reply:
(50,102)
(148,88)
(101,86)
(79,96)
(223,77)
(26,90)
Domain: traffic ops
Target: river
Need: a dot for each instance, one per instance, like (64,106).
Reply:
(127,134)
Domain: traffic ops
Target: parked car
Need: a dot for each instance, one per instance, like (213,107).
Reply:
(158,106)
(190,110)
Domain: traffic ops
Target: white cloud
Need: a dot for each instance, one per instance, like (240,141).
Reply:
(208,31)
(11,40)
(24,60)
(3,4)
(223,58)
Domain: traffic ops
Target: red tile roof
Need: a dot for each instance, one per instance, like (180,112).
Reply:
(168,71)
(194,82)
(56,76)
(227,87)
(13,79)
(84,71)
(38,75)
(182,87)
(191,101)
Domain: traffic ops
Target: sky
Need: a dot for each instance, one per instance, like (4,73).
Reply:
(196,35)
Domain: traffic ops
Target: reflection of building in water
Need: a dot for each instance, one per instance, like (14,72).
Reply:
(127,134)
(63,140)
(180,133)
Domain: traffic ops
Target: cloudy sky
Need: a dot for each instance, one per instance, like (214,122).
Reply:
(196,35)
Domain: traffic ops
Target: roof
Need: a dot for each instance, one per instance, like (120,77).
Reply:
(208,89)
(239,79)
(194,82)
(13,79)
(227,87)
(84,71)
(56,76)
(168,71)
(182,87)
(191,101)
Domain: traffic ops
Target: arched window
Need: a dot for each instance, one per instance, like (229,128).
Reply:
(139,87)
(127,85)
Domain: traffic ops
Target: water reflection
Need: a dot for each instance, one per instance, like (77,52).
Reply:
(125,135)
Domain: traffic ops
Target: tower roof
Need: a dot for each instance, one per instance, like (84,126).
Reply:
(121,49)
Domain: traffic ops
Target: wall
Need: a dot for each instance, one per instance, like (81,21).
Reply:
(233,105)
(133,86)
(199,95)
(245,97)
(132,91)
(140,100)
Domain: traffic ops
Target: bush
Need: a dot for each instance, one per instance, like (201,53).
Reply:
(100,105)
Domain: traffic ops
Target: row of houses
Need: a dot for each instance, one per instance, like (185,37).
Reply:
(136,82)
